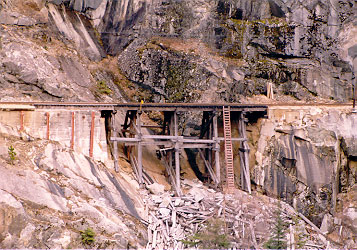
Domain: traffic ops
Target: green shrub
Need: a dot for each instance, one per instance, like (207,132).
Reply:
(87,236)
(12,154)
(103,88)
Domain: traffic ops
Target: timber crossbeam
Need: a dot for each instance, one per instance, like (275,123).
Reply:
(205,147)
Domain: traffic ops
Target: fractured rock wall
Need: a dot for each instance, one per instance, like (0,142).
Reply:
(49,194)
(231,47)
(307,157)
(305,48)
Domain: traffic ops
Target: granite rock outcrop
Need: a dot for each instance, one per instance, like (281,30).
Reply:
(304,48)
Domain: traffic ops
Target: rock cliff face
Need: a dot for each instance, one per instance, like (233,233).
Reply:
(48,52)
(309,162)
(305,48)
(49,194)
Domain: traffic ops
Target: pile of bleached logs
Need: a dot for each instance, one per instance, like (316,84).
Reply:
(173,219)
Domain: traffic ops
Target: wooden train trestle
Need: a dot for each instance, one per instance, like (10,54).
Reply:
(170,143)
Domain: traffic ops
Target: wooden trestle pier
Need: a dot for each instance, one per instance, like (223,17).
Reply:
(170,142)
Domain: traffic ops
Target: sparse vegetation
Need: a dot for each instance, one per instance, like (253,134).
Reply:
(103,88)
(212,237)
(299,235)
(12,154)
(278,239)
(87,236)
(177,81)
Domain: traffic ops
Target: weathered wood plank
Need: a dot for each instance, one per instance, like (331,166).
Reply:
(216,148)
(175,138)
(208,166)
(140,150)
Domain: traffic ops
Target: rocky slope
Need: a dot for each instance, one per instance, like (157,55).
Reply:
(49,194)
(305,48)
(184,50)
(310,162)
(50,53)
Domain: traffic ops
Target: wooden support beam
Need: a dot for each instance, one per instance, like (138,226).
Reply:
(48,125)
(134,127)
(149,143)
(177,153)
(169,145)
(130,124)
(216,148)
(171,175)
(182,139)
(196,145)
(232,139)
(140,150)
(198,141)
(125,139)
(72,131)
(22,114)
(209,135)
(150,126)
(208,166)
(115,144)
(91,135)
(177,167)
(244,154)
(170,131)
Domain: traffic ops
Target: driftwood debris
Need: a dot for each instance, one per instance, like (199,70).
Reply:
(246,220)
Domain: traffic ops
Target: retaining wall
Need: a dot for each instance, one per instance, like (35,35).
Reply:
(59,128)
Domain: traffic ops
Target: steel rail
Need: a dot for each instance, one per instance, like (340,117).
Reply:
(166,106)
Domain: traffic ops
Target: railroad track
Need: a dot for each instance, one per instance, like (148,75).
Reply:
(91,106)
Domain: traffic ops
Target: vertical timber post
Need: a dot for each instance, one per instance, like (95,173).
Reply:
(354,109)
(22,120)
(91,135)
(72,132)
(170,132)
(244,154)
(177,155)
(216,148)
(140,150)
(115,144)
(48,125)
(209,136)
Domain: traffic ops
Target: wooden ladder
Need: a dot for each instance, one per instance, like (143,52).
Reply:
(228,149)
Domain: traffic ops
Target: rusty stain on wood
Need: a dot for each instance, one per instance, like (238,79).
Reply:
(22,120)
(72,134)
(91,135)
(48,125)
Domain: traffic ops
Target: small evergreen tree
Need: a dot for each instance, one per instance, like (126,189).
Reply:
(277,239)
(212,237)
(300,236)
(12,154)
